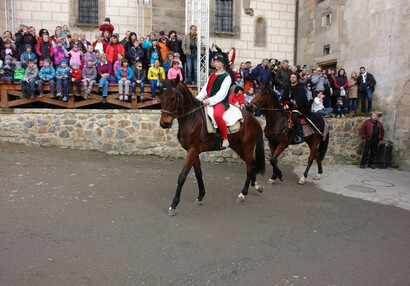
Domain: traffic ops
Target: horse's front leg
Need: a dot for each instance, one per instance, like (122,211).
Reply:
(201,187)
(191,155)
(274,162)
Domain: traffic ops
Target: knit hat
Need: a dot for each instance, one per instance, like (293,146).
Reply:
(115,35)
(154,39)
(107,19)
(176,55)
(18,64)
(59,41)
(62,61)
(8,57)
(27,46)
(162,33)
(89,59)
(339,98)
(235,75)
(48,60)
(248,61)
(74,64)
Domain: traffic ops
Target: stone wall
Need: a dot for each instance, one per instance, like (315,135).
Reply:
(354,35)
(138,132)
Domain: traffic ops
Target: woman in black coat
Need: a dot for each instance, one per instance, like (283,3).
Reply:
(23,38)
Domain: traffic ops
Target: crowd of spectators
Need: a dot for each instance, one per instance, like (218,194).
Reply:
(66,60)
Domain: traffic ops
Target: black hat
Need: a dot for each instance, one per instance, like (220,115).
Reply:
(222,57)
(162,33)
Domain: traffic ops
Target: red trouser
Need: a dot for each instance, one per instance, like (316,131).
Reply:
(219,110)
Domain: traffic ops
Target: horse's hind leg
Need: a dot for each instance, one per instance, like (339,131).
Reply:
(253,178)
(201,187)
(314,153)
(319,168)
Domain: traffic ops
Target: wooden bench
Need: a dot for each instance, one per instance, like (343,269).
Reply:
(11,96)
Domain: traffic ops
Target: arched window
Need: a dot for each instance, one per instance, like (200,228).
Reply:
(260,32)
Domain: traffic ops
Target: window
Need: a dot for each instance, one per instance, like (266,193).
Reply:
(260,33)
(327,20)
(88,11)
(326,50)
(223,15)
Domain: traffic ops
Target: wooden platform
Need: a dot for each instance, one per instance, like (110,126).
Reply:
(11,97)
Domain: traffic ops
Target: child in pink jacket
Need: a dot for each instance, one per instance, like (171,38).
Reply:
(174,71)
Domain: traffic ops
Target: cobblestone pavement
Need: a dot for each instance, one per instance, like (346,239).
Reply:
(385,186)
(70,217)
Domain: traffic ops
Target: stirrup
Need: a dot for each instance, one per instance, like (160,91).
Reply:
(225,144)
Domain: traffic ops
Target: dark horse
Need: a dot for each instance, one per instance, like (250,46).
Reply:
(178,102)
(280,136)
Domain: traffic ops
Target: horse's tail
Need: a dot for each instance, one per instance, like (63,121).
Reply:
(323,147)
(260,153)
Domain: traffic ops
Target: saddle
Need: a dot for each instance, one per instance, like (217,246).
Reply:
(233,118)
(302,119)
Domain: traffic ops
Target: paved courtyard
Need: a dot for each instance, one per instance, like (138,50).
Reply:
(70,217)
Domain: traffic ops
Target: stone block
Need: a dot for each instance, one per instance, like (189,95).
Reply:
(279,7)
(265,6)
(286,16)
(52,7)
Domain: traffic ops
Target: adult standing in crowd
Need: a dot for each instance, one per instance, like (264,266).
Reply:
(190,48)
(126,38)
(99,44)
(340,84)
(130,43)
(282,77)
(353,92)
(366,83)
(163,44)
(84,41)
(24,37)
(372,132)
(319,83)
(175,45)
(247,78)
(106,26)
(262,75)
(114,49)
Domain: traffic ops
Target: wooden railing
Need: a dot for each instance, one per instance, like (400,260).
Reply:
(11,97)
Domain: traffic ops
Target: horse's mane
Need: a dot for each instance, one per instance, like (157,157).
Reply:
(195,101)
(273,98)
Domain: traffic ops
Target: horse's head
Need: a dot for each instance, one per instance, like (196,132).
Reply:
(260,99)
(170,98)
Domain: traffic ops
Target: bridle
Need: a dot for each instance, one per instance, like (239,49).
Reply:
(174,114)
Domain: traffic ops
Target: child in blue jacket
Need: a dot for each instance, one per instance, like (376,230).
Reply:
(124,77)
(46,75)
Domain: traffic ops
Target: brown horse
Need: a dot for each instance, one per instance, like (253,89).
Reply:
(177,102)
(280,136)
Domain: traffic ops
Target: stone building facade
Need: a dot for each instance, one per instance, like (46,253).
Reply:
(262,28)
(373,34)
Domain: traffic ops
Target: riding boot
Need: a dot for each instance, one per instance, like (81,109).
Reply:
(298,134)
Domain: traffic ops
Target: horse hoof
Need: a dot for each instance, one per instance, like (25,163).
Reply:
(198,203)
(317,177)
(271,181)
(258,188)
(302,180)
(172,212)
(240,198)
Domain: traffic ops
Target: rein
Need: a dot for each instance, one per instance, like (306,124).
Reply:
(173,114)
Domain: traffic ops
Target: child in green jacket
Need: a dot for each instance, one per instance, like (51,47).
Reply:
(19,72)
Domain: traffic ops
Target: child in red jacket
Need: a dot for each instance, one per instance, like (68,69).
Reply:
(236,98)
(76,77)
(106,26)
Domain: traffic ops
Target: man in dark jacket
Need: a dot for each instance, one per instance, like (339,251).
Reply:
(282,78)
(372,132)
(261,75)
(294,98)
(366,83)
